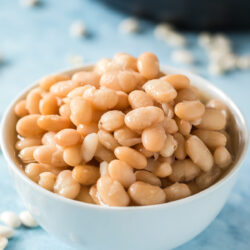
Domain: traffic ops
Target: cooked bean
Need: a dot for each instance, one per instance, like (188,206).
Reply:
(47,180)
(127,137)
(119,80)
(85,129)
(53,122)
(67,137)
(103,154)
(180,152)
(94,194)
(48,105)
(148,65)
(65,111)
(178,81)
(33,100)
(86,77)
(112,120)
(216,104)
(107,139)
(81,111)
(141,118)
(184,170)
(199,153)
(122,172)
(168,109)
(160,90)
(27,142)
(186,94)
(146,194)
(47,81)
(169,147)
(26,154)
(49,154)
(72,155)
(222,157)
(27,126)
(79,91)
(102,66)
(131,157)
(207,179)
(49,138)
(147,177)
(151,164)
(184,127)
(189,110)
(177,191)
(102,99)
(163,170)
(112,193)
(213,119)
(126,61)
(104,168)
(212,139)
(33,170)
(153,138)
(89,146)
(61,89)
(86,174)
(122,102)
(66,185)
(170,125)
(139,98)
(144,151)
(84,195)
(20,108)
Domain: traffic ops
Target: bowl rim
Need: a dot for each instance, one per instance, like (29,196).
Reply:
(166,69)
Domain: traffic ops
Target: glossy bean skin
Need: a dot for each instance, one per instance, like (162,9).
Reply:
(95,195)
(147,177)
(139,98)
(131,157)
(65,111)
(177,191)
(163,170)
(199,153)
(104,168)
(32,101)
(184,170)
(49,138)
(111,192)
(48,105)
(122,172)
(180,152)
(49,154)
(103,154)
(33,171)
(46,82)
(20,109)
(189,110)
(53,122)
(213,119)
(66,185)
(222,157)
(126,61)
(84,195)
(86,174)
(26,154)
(148,65)
(61,89)
(27,126)
(85,129)
(67,137)
(141,118)
(112,120)
(178,81)
(160,90)
(212,139)
(47,180)
(81,111)
(153,138)
(169,147)
(27,142)
(107,140)
(184,127)
(86,77)
(72,155)
(170,125)
(140,148)
(186,94)
(146,194)
(89,146)
(126,137)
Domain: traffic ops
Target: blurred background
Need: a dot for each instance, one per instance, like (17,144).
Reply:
(210,38)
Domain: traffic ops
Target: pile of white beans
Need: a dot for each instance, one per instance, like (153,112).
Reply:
(123,134)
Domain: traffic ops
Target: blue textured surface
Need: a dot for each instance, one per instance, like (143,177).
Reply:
(36,41)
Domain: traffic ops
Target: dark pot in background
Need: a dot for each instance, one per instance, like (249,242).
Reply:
(191,14)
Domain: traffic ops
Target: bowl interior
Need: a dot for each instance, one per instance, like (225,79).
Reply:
(238,133)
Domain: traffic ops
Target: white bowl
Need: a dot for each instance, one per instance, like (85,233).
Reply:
(156,227)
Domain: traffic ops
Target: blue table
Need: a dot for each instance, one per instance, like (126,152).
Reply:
(35,42)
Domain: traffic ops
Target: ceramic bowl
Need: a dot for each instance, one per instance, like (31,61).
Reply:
(157,227)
